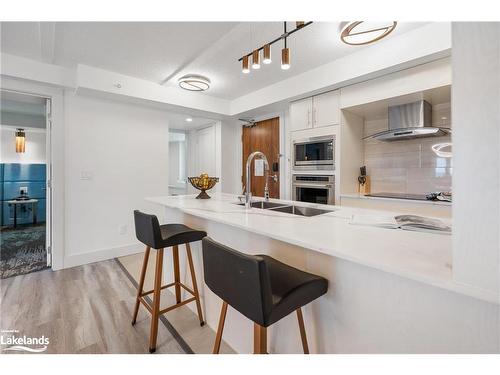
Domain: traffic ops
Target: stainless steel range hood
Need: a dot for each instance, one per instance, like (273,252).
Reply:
(407,121)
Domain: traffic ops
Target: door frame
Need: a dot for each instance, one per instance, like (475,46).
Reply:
(54,160)
(284,174)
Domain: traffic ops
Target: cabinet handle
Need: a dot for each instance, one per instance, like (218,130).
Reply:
(308,117)
(315,121)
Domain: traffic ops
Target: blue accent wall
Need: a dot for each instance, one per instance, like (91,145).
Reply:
(12,178)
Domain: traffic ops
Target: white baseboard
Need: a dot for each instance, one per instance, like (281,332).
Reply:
(100,255)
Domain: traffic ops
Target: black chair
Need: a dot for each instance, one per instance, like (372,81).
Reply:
(260,287)
(156,236)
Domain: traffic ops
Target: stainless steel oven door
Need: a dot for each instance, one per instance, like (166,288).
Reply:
(314,189)
(316,153)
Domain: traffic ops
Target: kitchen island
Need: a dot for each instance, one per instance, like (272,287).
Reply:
(390,290)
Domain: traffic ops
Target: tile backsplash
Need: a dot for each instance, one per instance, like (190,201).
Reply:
(408,166)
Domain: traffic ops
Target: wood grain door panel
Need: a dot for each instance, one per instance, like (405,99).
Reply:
(264,136)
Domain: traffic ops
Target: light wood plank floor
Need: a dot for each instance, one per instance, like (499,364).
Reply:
(84,309)
(200,340)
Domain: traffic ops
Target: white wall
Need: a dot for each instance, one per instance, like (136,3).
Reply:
(35,146)
(231,157)
(476,145)
(116,155)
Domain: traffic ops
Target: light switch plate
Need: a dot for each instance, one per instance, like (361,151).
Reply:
(86,175)
(23,190)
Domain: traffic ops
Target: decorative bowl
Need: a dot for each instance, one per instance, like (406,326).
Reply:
(203,183)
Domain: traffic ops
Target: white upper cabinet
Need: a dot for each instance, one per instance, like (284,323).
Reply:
(301,114)
(315,112)
(326,109)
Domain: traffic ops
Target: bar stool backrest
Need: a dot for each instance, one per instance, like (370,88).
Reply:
(147,229)
(239,279)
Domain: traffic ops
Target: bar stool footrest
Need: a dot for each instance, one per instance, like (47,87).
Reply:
(161,312)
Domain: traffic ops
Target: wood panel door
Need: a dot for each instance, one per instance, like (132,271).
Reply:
(264,136)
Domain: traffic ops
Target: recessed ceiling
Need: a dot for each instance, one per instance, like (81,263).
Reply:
(162,52)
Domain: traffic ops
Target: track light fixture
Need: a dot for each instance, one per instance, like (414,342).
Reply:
(266,48)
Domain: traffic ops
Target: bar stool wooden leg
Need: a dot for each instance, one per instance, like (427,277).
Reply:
(220,328)
(259,339)
(177,274)
(141,284)
(195,284)
(156,301)
(302,331)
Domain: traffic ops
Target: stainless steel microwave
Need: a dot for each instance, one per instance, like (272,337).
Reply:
(315,153)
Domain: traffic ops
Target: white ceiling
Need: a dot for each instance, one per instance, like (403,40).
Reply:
(178,121)
(162,52)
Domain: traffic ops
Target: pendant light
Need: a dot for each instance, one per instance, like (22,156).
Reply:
(244,65)
(285,54)
(20,141)
(285,58)
(267,54)
(255,59)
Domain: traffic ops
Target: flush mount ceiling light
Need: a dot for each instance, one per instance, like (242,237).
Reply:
(20,141)
(358,33)
(189,119)
(193,82)
(285,52)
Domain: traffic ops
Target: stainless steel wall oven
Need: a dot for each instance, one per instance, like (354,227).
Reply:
(313,189)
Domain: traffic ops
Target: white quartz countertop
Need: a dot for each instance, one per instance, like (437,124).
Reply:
(423,257)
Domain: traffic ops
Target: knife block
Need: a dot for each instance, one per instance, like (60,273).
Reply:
(365,188)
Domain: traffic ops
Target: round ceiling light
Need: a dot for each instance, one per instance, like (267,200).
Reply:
(194,82)
(358,33)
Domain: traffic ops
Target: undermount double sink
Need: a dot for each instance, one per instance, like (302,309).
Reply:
(289,209)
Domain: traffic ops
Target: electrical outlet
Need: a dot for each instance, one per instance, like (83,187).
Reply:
(23,190)
(123,229)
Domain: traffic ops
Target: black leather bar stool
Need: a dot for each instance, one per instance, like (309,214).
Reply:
(156,236)
(260,287)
